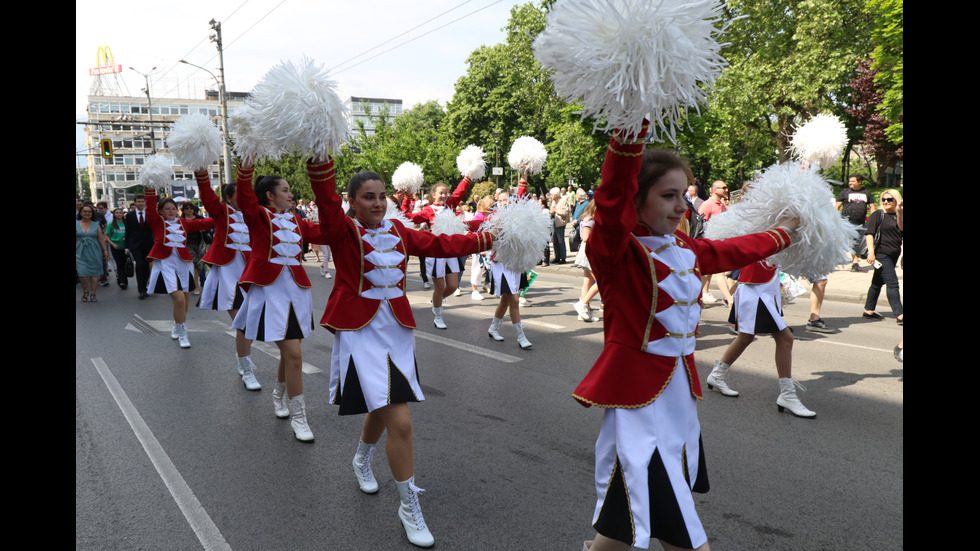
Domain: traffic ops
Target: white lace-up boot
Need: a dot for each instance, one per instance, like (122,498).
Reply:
(716,379)
(494,330)
(182,337)
(410,513)
(297,418)
(788,400)
(437,321)
(248,377)
(583,311)
(175,331)
(521,339)
(280,401)
(362,468)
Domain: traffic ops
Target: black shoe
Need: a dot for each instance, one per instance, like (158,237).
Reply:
(123,286)
(143,295)
(818,326)
(873,316)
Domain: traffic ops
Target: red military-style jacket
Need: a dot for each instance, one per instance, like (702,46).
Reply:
(625,375)
(176,240)
(347,308)
(428,213)
(758,272)
(225,246)
(266,263)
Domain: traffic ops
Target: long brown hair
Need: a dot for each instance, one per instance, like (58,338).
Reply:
(657,163)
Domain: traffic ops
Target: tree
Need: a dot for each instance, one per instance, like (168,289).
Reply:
(292,168)
(788,60)
(576,153)
(505,93)
(418,135)
(889,62)
(867,99)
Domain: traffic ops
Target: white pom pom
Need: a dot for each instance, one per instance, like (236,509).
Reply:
(819,142)
(470,162)
(527,154)
(249,145)
(447,223)
(790,189)
(625,59)
(298,110)
(157,171)
(523,230)
(195,141)
(408,177)
(394,213)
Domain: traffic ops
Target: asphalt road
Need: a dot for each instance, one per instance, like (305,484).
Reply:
(171,452)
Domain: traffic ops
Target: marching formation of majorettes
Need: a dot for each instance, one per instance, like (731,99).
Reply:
(646,272)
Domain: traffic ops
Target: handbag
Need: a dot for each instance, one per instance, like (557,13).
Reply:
(575,240)
(130,267)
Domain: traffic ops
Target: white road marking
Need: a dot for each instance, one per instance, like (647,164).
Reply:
(205,529)
(492,354)
(273,350)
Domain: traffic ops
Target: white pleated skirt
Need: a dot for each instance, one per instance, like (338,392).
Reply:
(170,275)
(758,308)
(439,267)
(648,462)
(504,281)
(374,366)
(221,291)
(276,312)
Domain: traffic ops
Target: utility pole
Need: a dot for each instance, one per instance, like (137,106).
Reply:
(149,104)
(216,38)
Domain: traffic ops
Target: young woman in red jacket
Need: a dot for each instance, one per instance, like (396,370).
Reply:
(373,368)
(227,256)
(278,305)
(172,271)
(649,457)
(444,272)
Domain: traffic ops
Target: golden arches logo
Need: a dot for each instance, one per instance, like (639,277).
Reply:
(104,57)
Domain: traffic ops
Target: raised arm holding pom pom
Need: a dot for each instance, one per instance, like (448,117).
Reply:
(645,377)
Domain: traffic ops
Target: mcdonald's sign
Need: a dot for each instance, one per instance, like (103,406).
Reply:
(104,63)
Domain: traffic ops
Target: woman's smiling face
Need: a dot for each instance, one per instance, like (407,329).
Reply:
(664,205)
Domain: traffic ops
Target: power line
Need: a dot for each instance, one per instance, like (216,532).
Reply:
(399,35)
(417,37)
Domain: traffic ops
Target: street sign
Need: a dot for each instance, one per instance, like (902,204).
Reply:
(498,171)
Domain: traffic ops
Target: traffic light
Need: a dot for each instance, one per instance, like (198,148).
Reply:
(107,149)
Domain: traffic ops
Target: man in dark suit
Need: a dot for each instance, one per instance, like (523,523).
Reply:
(139,241)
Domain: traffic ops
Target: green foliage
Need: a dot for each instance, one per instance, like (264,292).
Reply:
(417,135)
(889,59)
(788,60)
(506,94)
(483,189)
(292,167)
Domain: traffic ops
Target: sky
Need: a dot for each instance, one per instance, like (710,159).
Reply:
(413,50)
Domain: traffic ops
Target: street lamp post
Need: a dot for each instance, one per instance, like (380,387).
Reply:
(149,104)
(216,38)
(226,149)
